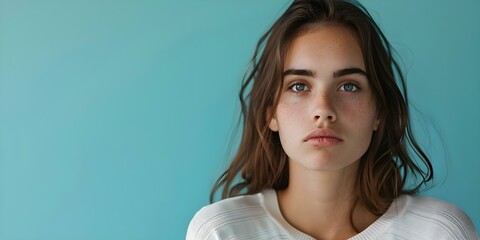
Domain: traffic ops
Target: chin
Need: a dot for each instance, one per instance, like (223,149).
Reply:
(325,164)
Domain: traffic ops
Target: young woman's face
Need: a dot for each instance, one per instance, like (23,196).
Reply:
(326,113)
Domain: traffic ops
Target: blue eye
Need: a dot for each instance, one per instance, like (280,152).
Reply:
(299,87)
(349,87)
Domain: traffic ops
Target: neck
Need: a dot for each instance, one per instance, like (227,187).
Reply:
(321,203)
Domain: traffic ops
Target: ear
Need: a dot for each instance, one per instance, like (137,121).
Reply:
(273,124)
(375,126)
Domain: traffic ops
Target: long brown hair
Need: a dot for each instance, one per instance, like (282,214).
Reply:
(387,165)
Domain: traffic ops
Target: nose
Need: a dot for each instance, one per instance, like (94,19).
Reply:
(323,110)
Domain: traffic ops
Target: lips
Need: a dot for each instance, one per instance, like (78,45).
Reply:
(322,138)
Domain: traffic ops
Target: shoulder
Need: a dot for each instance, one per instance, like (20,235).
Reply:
(438,218)
(230,217)
(229,208)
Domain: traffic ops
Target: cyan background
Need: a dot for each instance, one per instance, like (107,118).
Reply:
(115,116)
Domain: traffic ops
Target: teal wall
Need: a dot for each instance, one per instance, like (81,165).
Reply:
(115,116)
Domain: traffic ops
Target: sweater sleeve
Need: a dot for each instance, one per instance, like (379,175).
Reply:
(445,220)
(459,224)
(200,227)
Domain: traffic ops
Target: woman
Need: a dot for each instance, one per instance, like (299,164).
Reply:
(326,151)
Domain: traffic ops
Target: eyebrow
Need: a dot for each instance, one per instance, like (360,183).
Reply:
(336,74)
(299,72)
(348,71)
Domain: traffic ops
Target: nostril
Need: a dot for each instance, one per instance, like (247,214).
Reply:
(329,117)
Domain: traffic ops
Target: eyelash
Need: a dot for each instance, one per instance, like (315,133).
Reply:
(356,85)
(295,84)
(351,83)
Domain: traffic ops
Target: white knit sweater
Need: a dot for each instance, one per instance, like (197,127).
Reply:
(258,217)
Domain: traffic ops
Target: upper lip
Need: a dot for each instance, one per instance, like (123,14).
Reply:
(322,133)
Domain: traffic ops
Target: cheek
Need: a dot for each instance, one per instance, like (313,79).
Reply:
(290,117)
(357,110)
(288,110)
(285,116)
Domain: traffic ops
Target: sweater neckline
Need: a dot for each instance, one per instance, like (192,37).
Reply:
(396,209)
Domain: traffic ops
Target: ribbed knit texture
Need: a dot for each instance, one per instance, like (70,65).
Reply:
(258,217)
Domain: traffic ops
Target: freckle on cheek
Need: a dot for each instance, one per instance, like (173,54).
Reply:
(287,109)
(355,110)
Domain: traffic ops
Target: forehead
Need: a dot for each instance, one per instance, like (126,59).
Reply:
(326,45)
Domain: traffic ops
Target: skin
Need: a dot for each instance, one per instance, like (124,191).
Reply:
(321,192)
